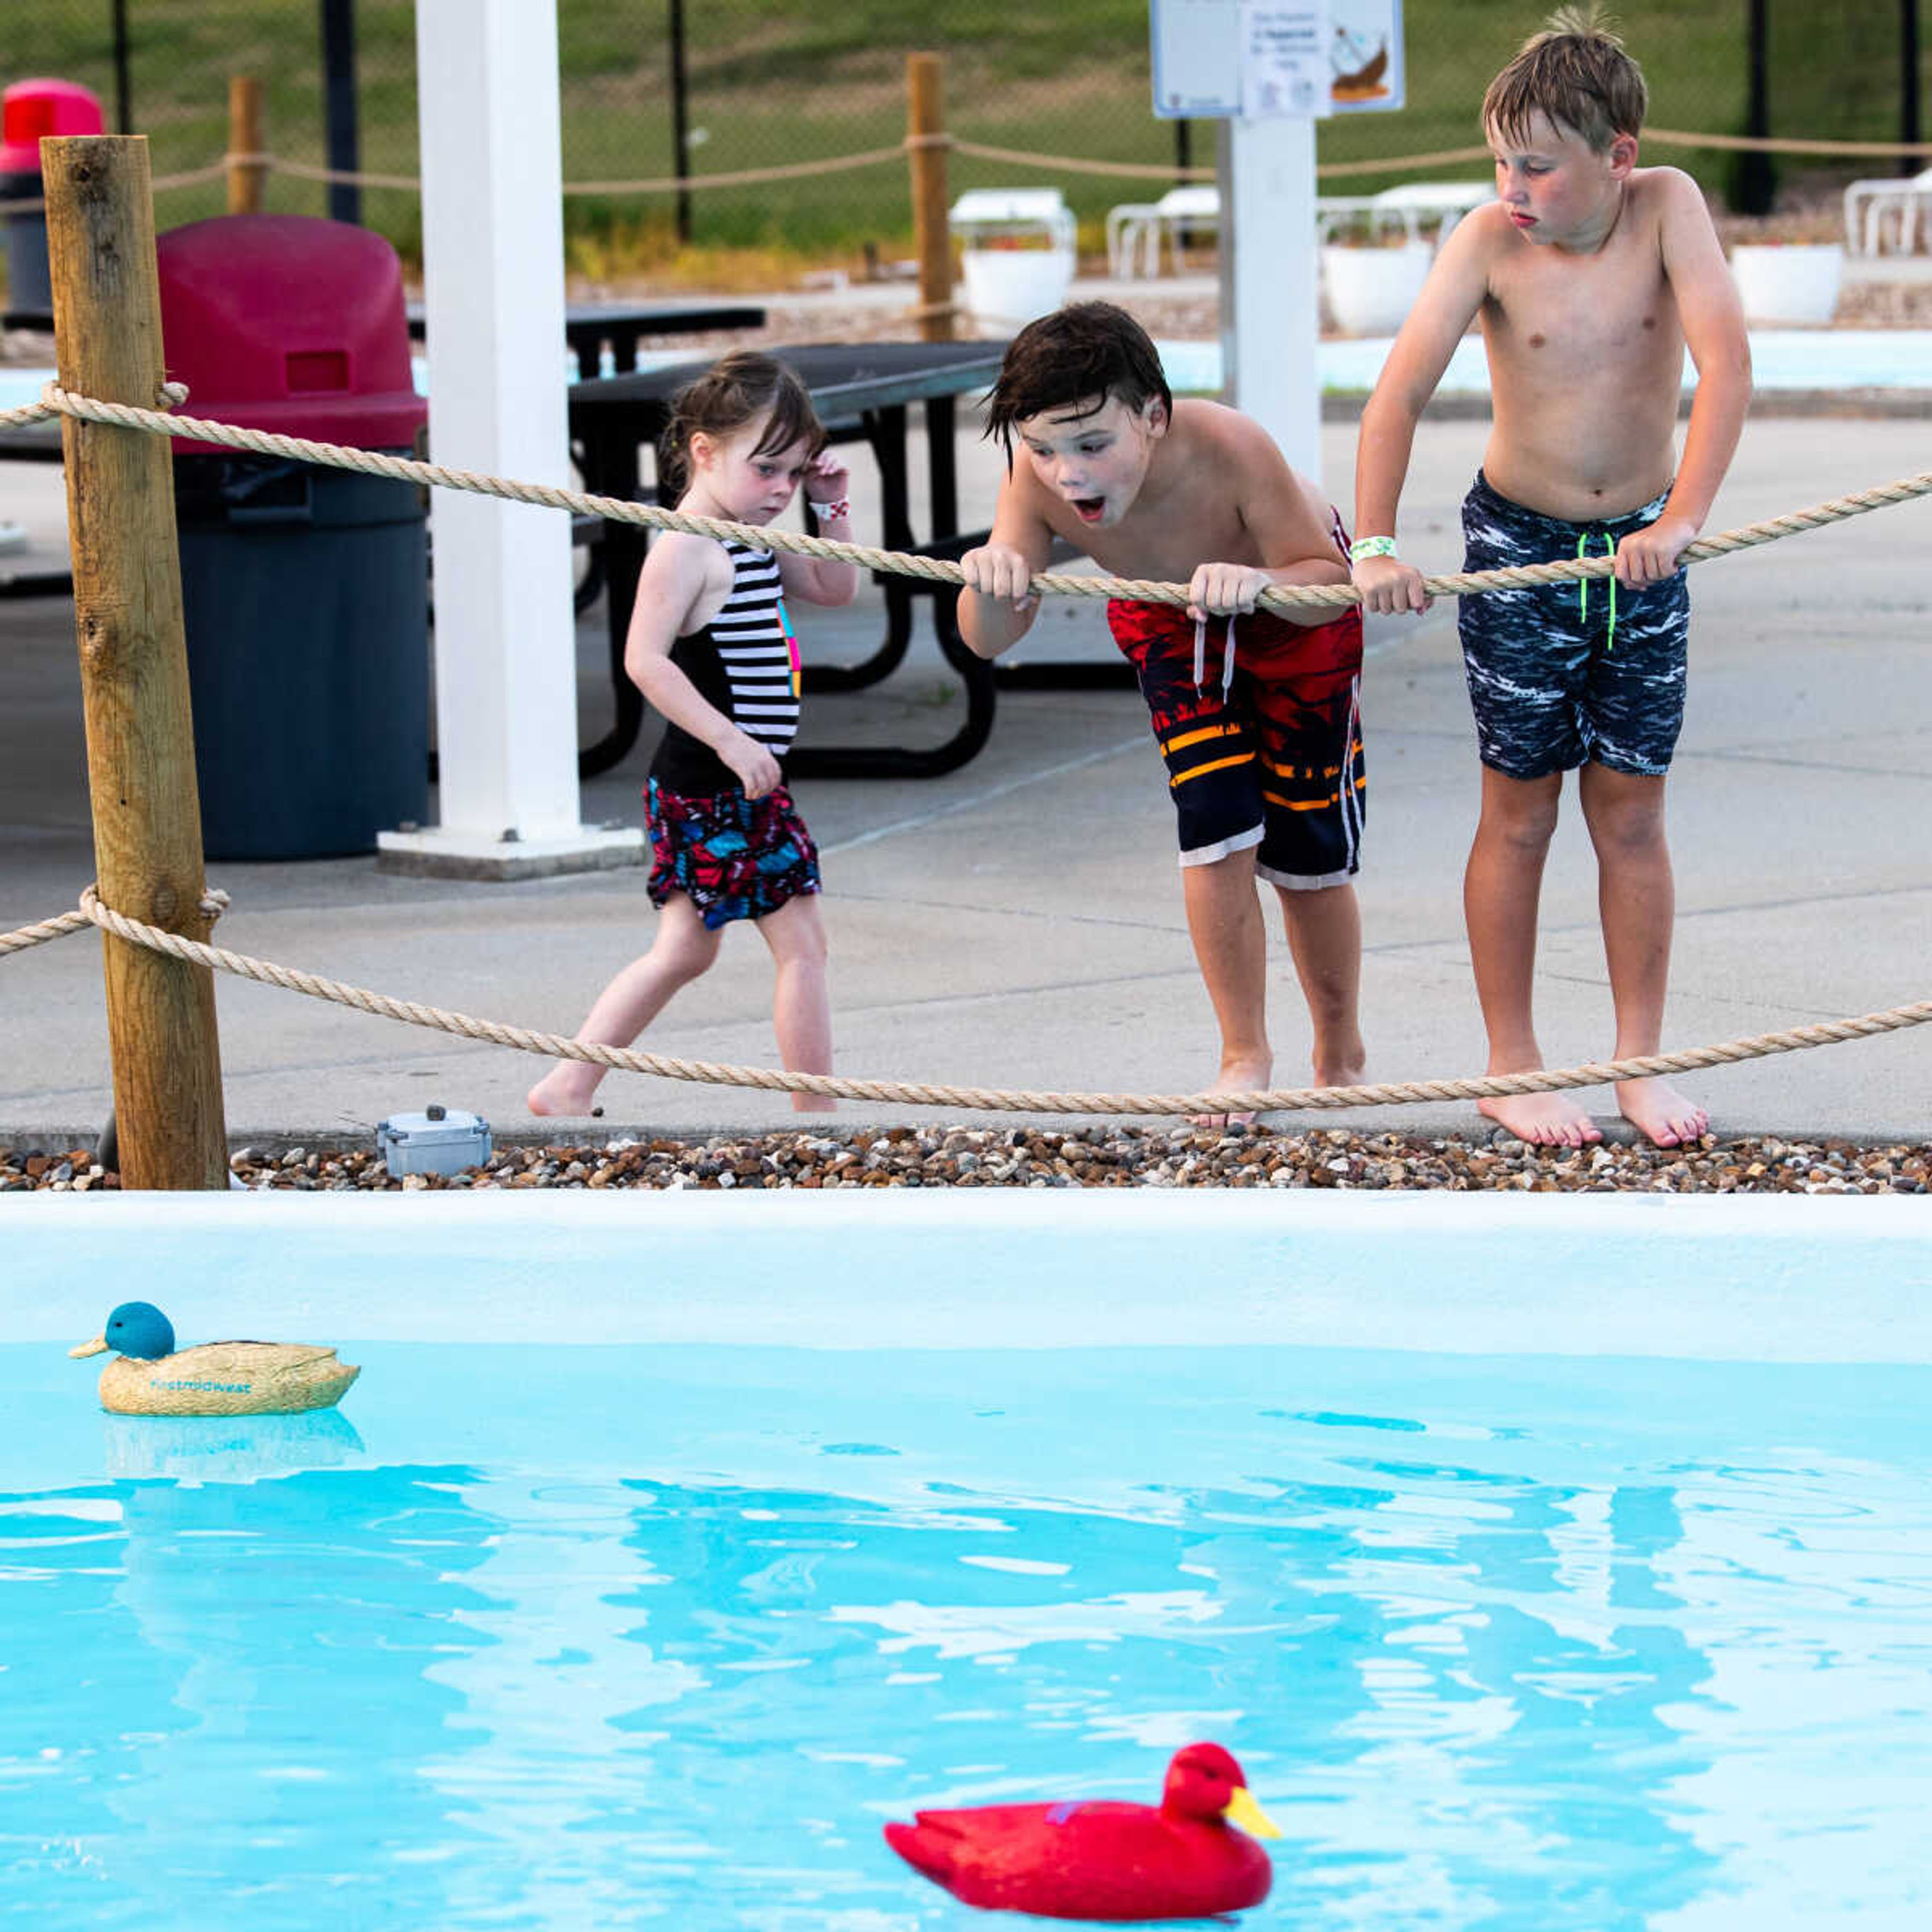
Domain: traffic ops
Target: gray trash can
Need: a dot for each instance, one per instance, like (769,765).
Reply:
(303,592)
(305,588)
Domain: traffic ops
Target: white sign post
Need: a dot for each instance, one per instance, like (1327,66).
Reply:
(1267,72)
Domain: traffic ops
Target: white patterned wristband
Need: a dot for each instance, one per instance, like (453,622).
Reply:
(1362,548)
(831,513)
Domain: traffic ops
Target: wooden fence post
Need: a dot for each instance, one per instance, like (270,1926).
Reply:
(932,243)
(133,662)
(245,178)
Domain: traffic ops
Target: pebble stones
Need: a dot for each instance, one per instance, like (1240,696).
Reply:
(1089,1156)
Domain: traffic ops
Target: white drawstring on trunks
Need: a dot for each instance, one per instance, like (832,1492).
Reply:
(1200,656)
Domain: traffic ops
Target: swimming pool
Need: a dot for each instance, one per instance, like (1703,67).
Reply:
(1555,1563)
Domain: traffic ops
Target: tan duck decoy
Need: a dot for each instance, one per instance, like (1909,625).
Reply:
(149,1377)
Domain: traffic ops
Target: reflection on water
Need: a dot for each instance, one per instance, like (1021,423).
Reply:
(1498,1647)
(227,1448)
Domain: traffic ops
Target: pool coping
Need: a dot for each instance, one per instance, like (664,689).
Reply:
(1791,1278)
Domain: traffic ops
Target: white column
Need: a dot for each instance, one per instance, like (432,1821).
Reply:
(1270,320)
(493,263)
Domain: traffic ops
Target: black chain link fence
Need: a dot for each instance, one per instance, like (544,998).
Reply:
(763,84)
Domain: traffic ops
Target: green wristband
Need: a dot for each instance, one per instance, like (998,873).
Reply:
(1365,547)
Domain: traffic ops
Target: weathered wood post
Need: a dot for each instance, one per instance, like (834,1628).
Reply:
(932,243)
(133,662)
(245,178)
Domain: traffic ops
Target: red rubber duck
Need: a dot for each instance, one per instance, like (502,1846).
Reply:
(1097,1859)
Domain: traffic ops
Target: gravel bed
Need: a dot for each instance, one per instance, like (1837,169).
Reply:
(1096,1156)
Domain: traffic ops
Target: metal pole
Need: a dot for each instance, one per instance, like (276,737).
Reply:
(1908,73)
(680,129)
(1757,180)
(124,95)
(338,68)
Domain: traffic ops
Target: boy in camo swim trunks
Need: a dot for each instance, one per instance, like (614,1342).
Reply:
(1591,277)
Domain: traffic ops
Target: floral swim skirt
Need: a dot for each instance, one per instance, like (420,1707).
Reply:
(734,857)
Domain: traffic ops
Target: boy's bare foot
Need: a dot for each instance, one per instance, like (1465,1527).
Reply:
(1236,1076)
(563,1091)
(1344,1067)
(1542,1120)
(1662,1114)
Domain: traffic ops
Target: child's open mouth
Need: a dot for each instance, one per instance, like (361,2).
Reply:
(1089,509)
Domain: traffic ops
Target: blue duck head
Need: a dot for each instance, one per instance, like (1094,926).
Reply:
(137,1328)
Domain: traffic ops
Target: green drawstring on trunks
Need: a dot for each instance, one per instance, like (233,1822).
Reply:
(1583,589)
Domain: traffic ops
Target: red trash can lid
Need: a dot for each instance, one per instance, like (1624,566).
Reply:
(289,323)
(31,108)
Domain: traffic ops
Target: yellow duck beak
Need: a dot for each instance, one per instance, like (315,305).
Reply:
(1243,1810)
(98,1346)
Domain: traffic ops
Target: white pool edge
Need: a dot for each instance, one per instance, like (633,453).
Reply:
(1798,1279)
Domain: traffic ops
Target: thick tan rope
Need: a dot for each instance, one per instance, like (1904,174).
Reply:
(60,402)
(1289,1099)
(872,158)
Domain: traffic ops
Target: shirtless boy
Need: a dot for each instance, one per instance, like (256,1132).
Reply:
(1591,276)
(1258,716)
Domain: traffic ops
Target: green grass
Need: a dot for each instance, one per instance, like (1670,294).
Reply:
(771,81)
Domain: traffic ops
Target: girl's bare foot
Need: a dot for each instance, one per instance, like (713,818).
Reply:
(1236,1076)
(565,1089)
(1660,1113)
(1542,1120)
(813,1103)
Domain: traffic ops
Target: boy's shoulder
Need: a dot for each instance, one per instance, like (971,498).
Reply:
(1658,191)
(1209,432)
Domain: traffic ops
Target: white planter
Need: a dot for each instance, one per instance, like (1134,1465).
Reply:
(1007,286)
(1371,291)
(1788,282)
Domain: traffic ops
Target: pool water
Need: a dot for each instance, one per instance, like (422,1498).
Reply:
(580,1636)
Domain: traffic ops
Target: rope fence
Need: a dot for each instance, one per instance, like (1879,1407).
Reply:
(1285,1099)
(271,163)
(57,401)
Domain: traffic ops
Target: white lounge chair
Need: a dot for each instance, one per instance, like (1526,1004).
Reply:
(1445,203)
(1138,230)
(1360,214)
(1904,204)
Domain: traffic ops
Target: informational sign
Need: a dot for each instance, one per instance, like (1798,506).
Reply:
(1256,59)
(1197,59)
(1285,60)
(1367,70)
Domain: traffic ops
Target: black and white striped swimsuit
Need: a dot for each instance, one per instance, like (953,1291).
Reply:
(745,662)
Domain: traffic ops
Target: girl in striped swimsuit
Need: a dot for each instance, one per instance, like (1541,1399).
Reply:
(712,647)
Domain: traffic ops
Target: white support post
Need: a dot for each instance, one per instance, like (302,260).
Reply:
(1270,320)
(494,296)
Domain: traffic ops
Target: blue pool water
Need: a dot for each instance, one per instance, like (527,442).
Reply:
(545,1636)
(1553,1564)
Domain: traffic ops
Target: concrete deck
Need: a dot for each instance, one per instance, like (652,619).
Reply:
(1019,923)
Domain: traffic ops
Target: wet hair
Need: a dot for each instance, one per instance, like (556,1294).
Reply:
(1085,352)
(734,392)
(1575,73)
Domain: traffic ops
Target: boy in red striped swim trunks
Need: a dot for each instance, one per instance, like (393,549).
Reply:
(1258,716)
